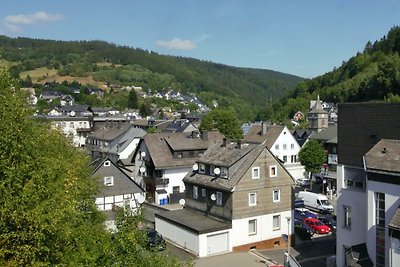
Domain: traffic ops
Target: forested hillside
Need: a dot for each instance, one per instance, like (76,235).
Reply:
(371,75)
(245,89)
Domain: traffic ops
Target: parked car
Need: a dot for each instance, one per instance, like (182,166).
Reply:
(302,213)
(303,182)
(329,221)
(155,240)
(317,225)
(304,231)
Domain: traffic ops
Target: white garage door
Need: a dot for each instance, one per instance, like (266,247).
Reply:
(217,243)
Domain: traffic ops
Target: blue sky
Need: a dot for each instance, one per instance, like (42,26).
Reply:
(301,37)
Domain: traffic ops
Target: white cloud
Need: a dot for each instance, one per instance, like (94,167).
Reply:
(13,23)
(177,44)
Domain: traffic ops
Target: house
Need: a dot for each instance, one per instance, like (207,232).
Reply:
(180,126)
(282,144)
(163,159)
(367,184)
(117,190)
(317,117)
(238,197)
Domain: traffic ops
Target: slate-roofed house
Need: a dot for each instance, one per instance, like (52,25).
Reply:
(238,197)
(163,159)
(117,189)
(301,136)
(180,126)
(368,184)
(282,144)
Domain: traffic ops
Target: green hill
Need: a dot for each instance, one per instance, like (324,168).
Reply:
(244,89)
(371,75)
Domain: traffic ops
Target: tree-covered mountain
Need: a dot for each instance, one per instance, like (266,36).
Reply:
(371,75)
(244,89)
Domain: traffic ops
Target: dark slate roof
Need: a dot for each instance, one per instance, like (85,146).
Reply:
(328,134)
(177,126)
(194,221)
(317,108)
(76,108)
(384,157)
(110,133)
(162,145)
(255,134)
(237,160)
(126,139)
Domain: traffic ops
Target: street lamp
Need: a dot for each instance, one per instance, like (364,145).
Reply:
(288,241)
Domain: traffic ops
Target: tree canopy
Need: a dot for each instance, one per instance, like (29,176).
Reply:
(312,156)
(223,120)
(47,213)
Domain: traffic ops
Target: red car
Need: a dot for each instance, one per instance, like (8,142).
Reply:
(317,225)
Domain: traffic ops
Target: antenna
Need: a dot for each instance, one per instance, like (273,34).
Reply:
(195,167)
(142,169)
(72,113)
(143,154)
(217,171)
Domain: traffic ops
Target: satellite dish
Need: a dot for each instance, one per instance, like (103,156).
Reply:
(213,197)
(142,169)
(195,167)
(143,154)
(140,199)
(182,201)
(72,113)
(217,171)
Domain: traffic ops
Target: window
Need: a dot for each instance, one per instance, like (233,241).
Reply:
(255,173)
(203,193)
(106,163)
(252,199)
(272,171)
(219,198)
(108,181)
(291,146)
(293,158)
(277,147)
(179,155)
(284,147)
(252,227)
(347,216)
(202,168)
(175,189)
(224,172)
(276,195)
(276,222)
(285,159)
(195,192)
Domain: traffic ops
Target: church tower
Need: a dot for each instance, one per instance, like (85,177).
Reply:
(317,117)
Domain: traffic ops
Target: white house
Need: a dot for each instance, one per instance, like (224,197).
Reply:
(281,143)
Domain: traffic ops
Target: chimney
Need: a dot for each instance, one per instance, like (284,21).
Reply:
(239,144)
(204,135)
(263,128)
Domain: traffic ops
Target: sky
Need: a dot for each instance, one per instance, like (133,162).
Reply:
(306,38)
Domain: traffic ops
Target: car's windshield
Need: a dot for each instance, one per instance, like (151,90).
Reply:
(324,202)
(319,223)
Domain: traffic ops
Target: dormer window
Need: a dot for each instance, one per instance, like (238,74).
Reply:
(224,172)
(202,168)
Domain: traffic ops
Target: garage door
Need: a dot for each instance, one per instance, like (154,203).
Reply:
(217,243)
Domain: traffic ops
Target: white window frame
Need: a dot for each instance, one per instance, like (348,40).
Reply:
(274,228)
(285,159)
(253,225)
(195,192)
(107,163)
(274,167)
(273,195)
(108,180)
(253,172)
(224,172)
(202,168)
(252,199)
(284,146)
(292,146)
(219,198)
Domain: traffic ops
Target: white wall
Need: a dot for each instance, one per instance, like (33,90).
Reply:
(178,235)
(129,149)
(240,228)
(357,200)
(175,177)
(392,201)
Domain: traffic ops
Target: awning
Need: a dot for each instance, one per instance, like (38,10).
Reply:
(357,256)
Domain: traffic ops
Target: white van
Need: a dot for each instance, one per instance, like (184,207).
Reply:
(316,201)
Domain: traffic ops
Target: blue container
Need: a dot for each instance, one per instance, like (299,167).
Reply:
(161,202)
(166,201)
